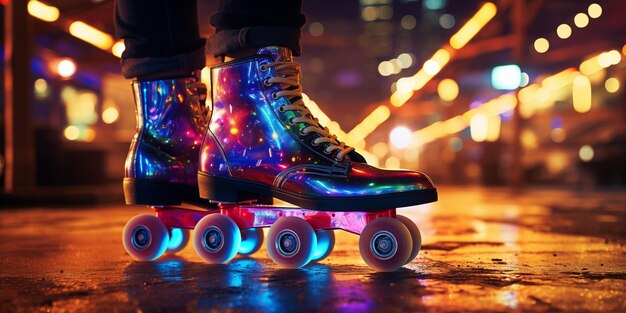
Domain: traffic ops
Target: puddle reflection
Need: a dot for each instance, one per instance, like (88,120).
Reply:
(248,285)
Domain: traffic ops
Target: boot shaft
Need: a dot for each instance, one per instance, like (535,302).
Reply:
(171,121)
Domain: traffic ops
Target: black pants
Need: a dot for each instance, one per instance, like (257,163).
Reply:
(162,36)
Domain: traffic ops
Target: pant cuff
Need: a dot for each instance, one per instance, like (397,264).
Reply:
(230,40)
(178,65)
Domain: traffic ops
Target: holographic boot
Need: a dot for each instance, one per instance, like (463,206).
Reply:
(161,166)
(263,141)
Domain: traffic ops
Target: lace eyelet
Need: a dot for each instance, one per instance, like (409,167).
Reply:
(291,122)
(266,82)
(326,151)
(281,109)
(314,144)
(274,95)
(302,134)
(263,67)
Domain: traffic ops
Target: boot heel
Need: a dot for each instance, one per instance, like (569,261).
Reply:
(151,193)
(228,192)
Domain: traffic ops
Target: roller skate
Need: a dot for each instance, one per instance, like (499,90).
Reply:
(162,163)
(263,142)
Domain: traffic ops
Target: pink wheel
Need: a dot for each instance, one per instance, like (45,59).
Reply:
(291,242)
(216,238)
(416,237)
(385,244)
(325,244)
(145,237)
(179,238)
(251,240)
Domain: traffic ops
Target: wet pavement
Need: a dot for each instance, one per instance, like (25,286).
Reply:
(484,250)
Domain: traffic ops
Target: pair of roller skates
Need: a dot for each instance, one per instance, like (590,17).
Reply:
(261,143)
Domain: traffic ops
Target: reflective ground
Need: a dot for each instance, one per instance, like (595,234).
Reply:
(484,250)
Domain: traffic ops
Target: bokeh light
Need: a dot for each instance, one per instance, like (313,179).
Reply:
(66,68)
(110,115)
(455,144)
(594,10)
(564,31)
(385,68)
(558,135)
(400,137)
(506,77)
(586,153)
(447,21)
(392,163)
(42,11)
(611,85)
(581,20)
(581,94)
(408,22)
(431,67)
(71,132)
(316,29)
(118,48)
(541,45)
(448,89)
(405,60)
(41,88)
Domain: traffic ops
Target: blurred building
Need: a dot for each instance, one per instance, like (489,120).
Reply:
(506,92)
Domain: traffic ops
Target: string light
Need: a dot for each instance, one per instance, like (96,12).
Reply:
(581,20)
(564,31)
(594,10)
(91,35)
(581,94)
(42,11)
(486,12)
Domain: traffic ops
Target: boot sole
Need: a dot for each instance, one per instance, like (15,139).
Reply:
(232,190)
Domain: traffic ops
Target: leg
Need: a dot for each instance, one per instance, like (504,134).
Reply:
(163,48)
(161,38)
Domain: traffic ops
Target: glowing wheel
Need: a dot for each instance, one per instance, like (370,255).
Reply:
(291,242)
(385,244)
(416,237)
(251,240)
(145,237)
(179,238)
(216,238)
(325,244)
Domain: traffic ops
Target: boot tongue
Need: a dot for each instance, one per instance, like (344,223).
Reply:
(281,54)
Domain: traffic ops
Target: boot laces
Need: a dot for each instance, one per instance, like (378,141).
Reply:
(289,80)
(201,111)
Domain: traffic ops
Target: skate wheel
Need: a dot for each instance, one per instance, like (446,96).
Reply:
(145,237)
(179,238)
(251,240)
(216,238)
(416,237)
(385,244)
(291,242)
(325,244)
